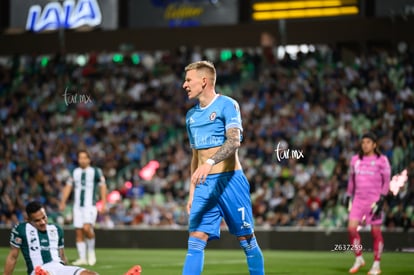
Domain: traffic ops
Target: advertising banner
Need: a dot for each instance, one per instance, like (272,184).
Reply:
(394,8)
(46,15)
(182,13)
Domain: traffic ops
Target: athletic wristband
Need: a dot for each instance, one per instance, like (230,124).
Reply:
(211,162)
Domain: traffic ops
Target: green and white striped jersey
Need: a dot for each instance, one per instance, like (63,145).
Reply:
(86,182)
(36,246)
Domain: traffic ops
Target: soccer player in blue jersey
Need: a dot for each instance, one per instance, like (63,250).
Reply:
(42,246)
(87,181)
(218,189)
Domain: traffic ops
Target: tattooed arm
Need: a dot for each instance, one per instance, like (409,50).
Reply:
(220,157)
(229,147)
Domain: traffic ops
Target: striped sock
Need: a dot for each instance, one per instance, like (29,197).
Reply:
(194,260)
(254,256)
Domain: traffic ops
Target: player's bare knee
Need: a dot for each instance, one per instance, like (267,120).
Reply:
(245,237)
(353,224)
(88,230)
(199,235)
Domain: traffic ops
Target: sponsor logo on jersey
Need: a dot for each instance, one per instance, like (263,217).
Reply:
(44,248)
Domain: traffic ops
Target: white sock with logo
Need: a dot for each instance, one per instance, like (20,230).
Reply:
(91,244)
(81,246)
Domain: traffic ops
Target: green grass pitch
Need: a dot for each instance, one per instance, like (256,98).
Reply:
(232,262)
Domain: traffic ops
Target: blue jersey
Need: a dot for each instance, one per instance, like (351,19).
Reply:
(207,126)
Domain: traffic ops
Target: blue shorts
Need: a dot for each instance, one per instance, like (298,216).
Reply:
(224,195)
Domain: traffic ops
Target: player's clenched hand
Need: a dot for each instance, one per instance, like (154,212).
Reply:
(200,174)
(347,202)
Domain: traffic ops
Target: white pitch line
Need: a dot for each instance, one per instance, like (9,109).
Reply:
(226,262)
(206,263)
(106,266)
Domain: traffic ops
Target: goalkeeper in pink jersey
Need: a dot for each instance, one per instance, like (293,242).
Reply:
(368,185)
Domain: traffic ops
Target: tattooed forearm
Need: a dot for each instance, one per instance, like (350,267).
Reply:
(229,147)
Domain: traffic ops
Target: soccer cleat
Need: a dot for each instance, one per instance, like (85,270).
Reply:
(80,262)
(135,270)
(40,271)
(359,262)
(91,258)
(375,270)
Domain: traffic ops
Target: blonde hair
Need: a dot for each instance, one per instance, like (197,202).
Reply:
(204,66)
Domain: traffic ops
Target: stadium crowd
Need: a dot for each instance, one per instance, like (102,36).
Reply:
(303,117)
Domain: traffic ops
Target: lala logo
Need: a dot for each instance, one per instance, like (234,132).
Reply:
(68,15)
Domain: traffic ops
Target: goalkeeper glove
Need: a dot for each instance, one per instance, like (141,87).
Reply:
(377,206)
(347,202)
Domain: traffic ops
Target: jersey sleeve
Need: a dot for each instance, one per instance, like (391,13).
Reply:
(231,114)
(386,175)
(190,137)
(351,177)
(101,177)
(61,234)
(16,236)
(70,179)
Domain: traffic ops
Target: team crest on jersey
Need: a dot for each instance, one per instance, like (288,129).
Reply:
(53,233)
(213,116)
(373,163)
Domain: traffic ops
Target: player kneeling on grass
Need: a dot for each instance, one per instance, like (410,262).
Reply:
(42,245)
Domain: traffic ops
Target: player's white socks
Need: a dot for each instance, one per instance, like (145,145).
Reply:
(81,246)
(376,264)
(90,244)
(359,258)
